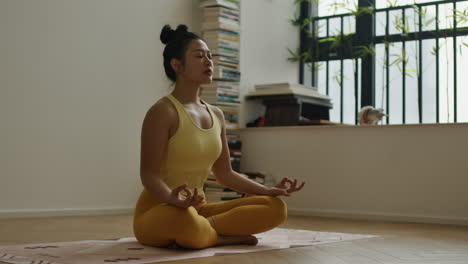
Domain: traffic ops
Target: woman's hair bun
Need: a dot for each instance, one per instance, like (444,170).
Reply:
(177,42)
(168,34)
(182,28)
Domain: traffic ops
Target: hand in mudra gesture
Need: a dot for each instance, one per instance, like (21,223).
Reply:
(185,201)
(285,187)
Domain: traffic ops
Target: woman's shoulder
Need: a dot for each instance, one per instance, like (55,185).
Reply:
(218,112)
(162,111)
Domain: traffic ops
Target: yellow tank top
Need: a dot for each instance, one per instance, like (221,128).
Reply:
(191,151)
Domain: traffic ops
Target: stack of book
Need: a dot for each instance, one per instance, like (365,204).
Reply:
(288,88)
(221,32)
(256,176)
(235,153)
(215,192)
(231,118)
(305,105)
(221,93)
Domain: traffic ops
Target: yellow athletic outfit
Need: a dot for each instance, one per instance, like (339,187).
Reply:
(191,152)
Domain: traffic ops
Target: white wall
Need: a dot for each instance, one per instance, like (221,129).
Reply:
(76,78)
(266,36)
(403,173)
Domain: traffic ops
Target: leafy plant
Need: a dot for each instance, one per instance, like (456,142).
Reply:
(295,56)
(363,51)
(460,17)
(359,11)
(391,4)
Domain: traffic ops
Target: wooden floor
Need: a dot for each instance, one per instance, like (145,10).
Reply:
(398,242)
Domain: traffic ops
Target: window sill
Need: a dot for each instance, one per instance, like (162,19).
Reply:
(352,126)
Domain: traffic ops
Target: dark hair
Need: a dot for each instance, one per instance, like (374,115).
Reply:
(176,42)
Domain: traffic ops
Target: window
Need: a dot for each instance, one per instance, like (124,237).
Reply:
(407,57)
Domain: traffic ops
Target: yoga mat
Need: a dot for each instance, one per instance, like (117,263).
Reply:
(128,250)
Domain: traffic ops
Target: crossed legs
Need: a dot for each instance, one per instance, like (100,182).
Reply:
(210,224)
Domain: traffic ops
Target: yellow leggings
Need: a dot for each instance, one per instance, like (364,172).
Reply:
(160,224)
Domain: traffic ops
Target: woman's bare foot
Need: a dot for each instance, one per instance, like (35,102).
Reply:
(236,240)
(233,240)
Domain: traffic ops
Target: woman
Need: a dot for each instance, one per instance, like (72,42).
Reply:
(183,139)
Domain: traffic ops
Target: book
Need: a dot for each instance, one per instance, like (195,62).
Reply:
(223,23)
(219,59)
(213,184)
(235,164)
(221,72)
(234,144)
(219,25)
(220,91)
(231,118)
(286,88)
(220,99)
(221,84)
(221,34)
(213,16)
(222,20)
(225,52)
(232,4)
(228,108)
(232,137)
(232,125)
(220,11)
(228,65)
(256,176)
(235,153)
(216,32)
(216,43)
(212,189)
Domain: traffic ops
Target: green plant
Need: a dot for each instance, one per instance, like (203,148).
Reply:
(339,42)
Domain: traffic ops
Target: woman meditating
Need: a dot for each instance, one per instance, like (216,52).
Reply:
(183,139)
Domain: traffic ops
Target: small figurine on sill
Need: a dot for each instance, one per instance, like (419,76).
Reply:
(370,115)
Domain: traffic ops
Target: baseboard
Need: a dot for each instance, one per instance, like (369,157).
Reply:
(380,216)
(25,213)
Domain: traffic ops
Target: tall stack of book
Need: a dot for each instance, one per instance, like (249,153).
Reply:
(221,32)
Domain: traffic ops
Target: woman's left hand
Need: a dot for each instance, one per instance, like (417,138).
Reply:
(281,188)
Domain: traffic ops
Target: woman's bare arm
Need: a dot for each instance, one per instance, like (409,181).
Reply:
(223,171)
(154,140)
(236,181)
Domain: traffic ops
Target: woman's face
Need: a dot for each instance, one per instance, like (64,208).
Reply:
(198,66)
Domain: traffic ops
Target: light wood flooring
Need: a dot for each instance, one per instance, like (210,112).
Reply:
(398,242)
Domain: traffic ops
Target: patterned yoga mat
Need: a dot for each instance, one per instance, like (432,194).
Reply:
(128,250)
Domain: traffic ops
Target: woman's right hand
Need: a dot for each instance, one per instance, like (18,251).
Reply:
(185,201)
